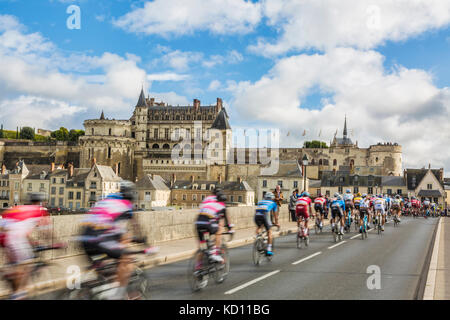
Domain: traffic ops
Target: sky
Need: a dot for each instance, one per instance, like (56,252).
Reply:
(298,66)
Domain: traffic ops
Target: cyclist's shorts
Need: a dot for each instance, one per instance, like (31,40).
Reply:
(396,209)
(205,224)
(357,206)
(382,211)
(113,249)
(318,208)
(349,204)
(302,211)
(263,219)
(336,212)
(363,212)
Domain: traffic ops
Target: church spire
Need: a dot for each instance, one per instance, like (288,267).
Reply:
(142,102)
(345,127)
(102,116)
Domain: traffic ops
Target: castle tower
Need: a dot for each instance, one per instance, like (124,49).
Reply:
(221,123)
(140,118)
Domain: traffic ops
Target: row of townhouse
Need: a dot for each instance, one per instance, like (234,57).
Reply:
(70,188)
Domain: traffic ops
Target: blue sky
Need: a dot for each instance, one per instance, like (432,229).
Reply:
(292,65)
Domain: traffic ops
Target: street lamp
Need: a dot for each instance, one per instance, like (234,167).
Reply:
(305,163)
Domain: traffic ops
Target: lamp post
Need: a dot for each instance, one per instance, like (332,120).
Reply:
(305,163)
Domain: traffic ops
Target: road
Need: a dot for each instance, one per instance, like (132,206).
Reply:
(338,272)
(322,271)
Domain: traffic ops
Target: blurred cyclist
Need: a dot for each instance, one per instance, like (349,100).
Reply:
(105,232)
(16,227)
(264,209)
(212,211)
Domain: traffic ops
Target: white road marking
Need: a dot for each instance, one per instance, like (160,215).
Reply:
(252,282)
(307,258)
(355,236)
(432,270)
(337,244)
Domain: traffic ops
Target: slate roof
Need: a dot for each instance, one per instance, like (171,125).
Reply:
(142,102)
(429,193)
(107,173)
(392,181)
(329,179)
(221,121)
(147,183)
(225,185)
(418,175)
(286,169)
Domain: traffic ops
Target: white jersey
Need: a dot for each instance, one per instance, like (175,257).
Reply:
(426,203)
(364,203)
(348,197)
(379,204)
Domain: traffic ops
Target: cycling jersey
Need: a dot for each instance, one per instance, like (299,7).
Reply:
(396,203)
(302,205)
(415,203)
(320,201)
(262,214)
(16,225)
(379,204)
(210,212)
(426,204)
(348,197)
(337,208)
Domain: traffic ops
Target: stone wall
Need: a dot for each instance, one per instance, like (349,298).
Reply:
(158,226)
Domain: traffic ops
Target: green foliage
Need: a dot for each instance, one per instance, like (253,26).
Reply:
(315,144)
(27,133)
(75,134)
(62,134)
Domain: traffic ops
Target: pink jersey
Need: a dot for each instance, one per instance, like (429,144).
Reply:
(110,209)
(211,207)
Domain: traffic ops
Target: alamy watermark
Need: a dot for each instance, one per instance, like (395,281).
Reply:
(74,20)
(374,280)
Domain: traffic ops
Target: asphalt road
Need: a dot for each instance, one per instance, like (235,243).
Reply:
(328,272)
(338,272)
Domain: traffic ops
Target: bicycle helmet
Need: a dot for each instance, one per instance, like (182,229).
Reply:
(306,194)
(36,197)
(269,196)
(364,195)
(397,197)
(348,191)
(339,197)
(128,190)
(336,194)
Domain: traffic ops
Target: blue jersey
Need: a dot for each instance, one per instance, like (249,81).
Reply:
(266,206)
(339,203)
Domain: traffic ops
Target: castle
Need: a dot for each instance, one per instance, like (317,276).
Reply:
(144,144)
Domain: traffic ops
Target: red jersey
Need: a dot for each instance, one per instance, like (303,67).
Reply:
(303,201)
(415,203)
(320,200)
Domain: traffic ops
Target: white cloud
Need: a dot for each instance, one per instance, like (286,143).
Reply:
(167,76)
(179,60)
(36,112)
(362,24)
(179,17)
(400,105)
(232,57)
(171,98)
(214,85)
(34,69)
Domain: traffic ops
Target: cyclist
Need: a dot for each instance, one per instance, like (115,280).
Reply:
(319,207)
(212,210)
(337,209)
(379,205)
(356,201)
(303,209)
(264,209)
(415,203)
(397,205)
(348,198)
(363,207)
(17,224)
(105,232)
(426,207)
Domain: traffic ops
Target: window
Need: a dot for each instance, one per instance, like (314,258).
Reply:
(232,198)
(92,197)
(62,180)
(53,190)
(355,189)
(70,205)
(118,168)
(41,188)
(92,131)
(194,197)
(429,186)
(60,202)
(389,191)
(370,190)
(264,183)
(240,199)
(93,185)
(16,186)
(334,162)
(166,133)
(54,180)
(109,152)
(399,191)
(70,195)
(61,190)
(109,131)
(148,196)
(30,187)
(52,202)
(184,197)
(280,183)
(435,200)
(340,189)
(327,192)
(78,195)
(78,205)
(295,184)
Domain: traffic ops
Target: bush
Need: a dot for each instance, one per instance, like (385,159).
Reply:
(27,133)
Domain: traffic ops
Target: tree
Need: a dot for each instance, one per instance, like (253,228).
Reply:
(1,132)
(62,134)
(315,144)
(27,133)
(75,134)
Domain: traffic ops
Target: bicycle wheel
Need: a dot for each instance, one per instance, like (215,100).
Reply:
(306,239)
(299,240)
(316,228)
(198,279)
(138,288)
(269,258)
(221,270)
(258,246)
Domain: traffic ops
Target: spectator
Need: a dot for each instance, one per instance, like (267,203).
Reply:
(278,200)
(292,202)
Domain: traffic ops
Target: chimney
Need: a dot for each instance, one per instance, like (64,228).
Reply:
(116,169)
(53,167)
(196,104)
(219,104)
(152,102)
(93,162)
(220,179)
(441,174)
